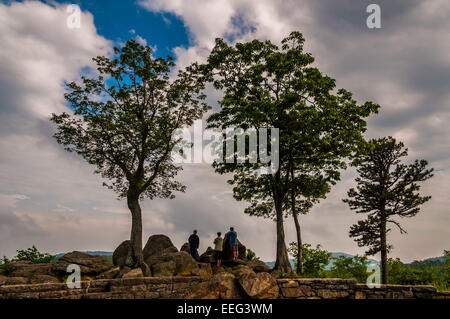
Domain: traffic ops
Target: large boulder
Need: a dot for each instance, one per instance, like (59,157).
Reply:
(163,269)
(256,285)
(89,264)
(208,256)
(158,245)
(221,286)
(109,274)
(121,254)
(28,269)
(134,273)
(227,254)
(186,248)
(185,265)
(259,266)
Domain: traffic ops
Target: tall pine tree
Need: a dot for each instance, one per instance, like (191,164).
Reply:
(386,189)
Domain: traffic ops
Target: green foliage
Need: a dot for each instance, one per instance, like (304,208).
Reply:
(125,127)
(350,267)
(251,255)
(4,265)
(314,260)
(32,254)
(320,127)
(386,189)
(401,274)
(436,273)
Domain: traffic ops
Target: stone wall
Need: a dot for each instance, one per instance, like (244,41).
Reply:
(191,287)
(350,289)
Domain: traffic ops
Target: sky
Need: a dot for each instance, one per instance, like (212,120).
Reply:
(52,199)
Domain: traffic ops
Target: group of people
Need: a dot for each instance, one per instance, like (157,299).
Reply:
(230,236)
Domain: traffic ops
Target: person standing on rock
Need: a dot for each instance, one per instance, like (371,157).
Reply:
(232,235)
(218,247)
(194,242)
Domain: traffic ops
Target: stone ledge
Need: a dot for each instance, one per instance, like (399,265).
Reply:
(193,287)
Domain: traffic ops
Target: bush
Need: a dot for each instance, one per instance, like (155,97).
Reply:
(251,255)
(350,267)
(32,255)
(4,265)
(314,260)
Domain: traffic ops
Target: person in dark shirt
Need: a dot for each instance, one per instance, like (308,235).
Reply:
(194,242)
(232,237)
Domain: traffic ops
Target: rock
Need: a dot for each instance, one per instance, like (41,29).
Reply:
(205,270)
(208,256)
(134,273)
(256,285)
(109,274)
(185,265)
(164,269)
(186,248)
(89,264)
(259,266)
(227,253)
(121,254)
(43,279)
(221,286)
(13,280)
(158,245)
(28,269)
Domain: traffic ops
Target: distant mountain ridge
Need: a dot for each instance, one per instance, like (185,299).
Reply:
(94,253)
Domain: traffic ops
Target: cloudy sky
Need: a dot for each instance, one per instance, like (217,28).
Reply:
(51,199)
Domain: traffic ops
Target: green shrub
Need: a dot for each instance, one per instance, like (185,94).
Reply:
(251,255)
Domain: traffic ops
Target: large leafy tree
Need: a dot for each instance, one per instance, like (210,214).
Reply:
(123,123)
(387,188)
(267,86)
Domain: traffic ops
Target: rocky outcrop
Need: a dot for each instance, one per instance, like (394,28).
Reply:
(158,245)
(186,248)
(256,285)
(173,264)
(110,274)
(221,286)
(121,253)
(227,253)
(28,269)
(208,256)
(89,265)
(259,266)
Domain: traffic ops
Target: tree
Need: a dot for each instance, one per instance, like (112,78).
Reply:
(265,86)
(124,121)
(350,267)
(386,188)
(314,260)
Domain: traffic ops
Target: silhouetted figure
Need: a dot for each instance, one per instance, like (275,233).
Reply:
(194,242)
(218,247)
(232,238)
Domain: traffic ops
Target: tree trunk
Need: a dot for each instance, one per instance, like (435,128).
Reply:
(297,224)
(384,265)
(282,263)
(299,243)
(136,233)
